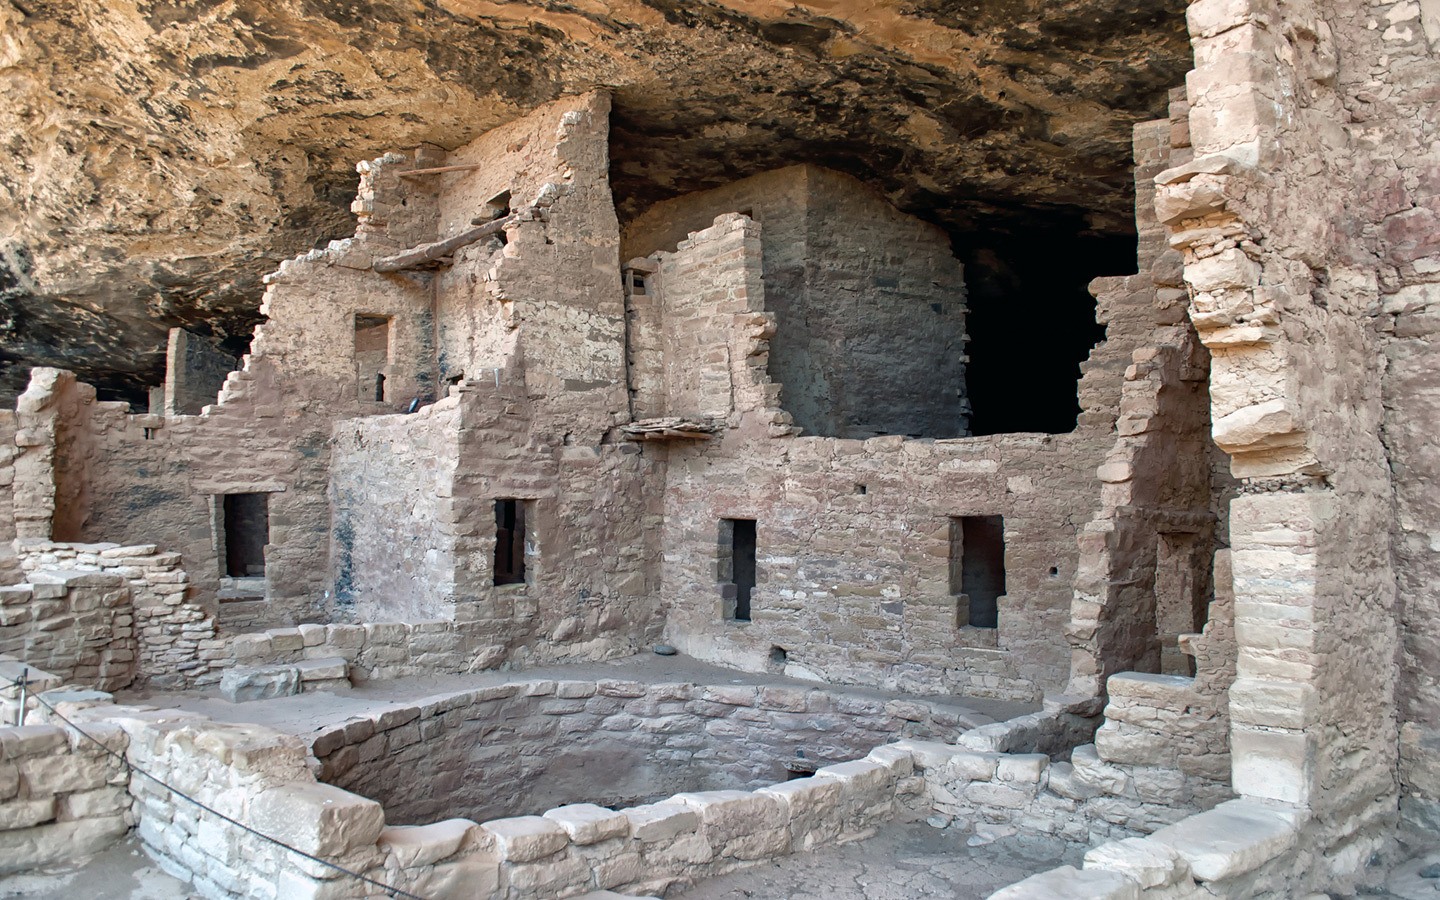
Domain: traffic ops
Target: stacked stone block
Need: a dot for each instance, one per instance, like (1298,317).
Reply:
(78,625)
(373,651)
(62,796)
(171,641)
(260,777)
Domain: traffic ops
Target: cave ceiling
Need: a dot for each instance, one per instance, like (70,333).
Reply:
(159,158)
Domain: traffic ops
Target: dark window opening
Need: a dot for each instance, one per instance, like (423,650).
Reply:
(247,531)
(1031,323)
(372,354)
(499,207)
(737,566)
(977,569)
(509,542)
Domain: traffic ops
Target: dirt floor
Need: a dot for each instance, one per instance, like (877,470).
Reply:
(123,872)
(903,862)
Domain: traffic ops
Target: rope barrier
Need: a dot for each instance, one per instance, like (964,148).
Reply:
(389,889)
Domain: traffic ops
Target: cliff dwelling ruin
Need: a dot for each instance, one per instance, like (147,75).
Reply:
(720,450)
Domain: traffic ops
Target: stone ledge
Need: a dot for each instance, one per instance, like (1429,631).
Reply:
(1235,837)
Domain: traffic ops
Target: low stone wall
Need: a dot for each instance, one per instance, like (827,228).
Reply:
(77,625)
(1165,722)
(1242,848)
(374,651)
(260,777)
(1133,780)
(175,640)
(519,747)
(61,796)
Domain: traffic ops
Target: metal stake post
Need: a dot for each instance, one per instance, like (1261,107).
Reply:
(24,683)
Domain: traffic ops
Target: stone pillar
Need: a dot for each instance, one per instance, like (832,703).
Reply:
(1295,402)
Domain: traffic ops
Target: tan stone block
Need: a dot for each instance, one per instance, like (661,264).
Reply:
(1069,883)
(661,821)
(526,838)
(317,818)
(62,774)
(587,823)
(15,814)
(422,845)
(459,879)
(106,801)
(1233,838)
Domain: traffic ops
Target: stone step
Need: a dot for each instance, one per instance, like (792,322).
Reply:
(245,683)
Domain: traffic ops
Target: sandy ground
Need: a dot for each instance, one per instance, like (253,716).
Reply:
(902,862)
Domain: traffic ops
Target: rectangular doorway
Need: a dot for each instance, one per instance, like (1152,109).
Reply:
(247,531)
(977,569)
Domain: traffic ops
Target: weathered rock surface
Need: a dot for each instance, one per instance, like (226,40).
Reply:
(160,159)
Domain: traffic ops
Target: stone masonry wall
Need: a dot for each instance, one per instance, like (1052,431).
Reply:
(9,565)
(592,522)
(61,796)
(1396,166)
(195,370)
(373,651)
(1283,277)
(869,303)
(711,326)
(883,287)
(1145,574)
(77,625)
(551,299)
(152,478)
(155,632)
(853,557)
(260,777)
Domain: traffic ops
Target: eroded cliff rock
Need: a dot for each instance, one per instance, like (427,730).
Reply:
(160,158)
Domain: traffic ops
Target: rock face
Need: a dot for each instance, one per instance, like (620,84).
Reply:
(159,160)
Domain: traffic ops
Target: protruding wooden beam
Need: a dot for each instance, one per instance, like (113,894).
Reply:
(425,254)
(438,169)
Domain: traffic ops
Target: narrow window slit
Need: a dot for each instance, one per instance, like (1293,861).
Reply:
(737,566)
(510,533)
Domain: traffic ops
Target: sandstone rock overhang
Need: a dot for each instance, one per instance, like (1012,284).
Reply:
(159,162)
